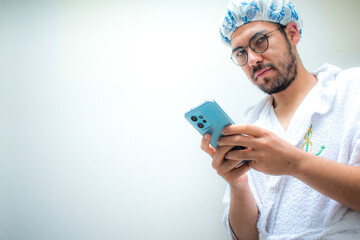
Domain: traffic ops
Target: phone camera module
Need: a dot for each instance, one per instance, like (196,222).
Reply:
(200,125)
(194,118)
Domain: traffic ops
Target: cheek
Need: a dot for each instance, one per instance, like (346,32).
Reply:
(272,55)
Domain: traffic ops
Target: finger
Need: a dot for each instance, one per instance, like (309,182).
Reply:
(218,158)
(233,175)
(240,155)
(236,172)
(237,140)
(228,166)
(244,129)
(205,145)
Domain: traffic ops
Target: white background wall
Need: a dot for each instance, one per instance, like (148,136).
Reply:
(93,142)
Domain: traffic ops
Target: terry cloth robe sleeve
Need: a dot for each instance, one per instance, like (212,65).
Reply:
(355,155)
(226,202)
(226,222)
(348,81)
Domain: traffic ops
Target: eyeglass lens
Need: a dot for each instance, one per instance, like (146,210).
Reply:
(258,43)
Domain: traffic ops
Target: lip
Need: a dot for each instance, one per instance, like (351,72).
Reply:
(262,72)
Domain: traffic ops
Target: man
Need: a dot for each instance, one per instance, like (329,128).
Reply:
(303,139)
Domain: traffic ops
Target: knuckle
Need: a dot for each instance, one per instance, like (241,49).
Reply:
(237,138)
(268,135)
(246,127)
(266,144)
(262,155)
(263,143)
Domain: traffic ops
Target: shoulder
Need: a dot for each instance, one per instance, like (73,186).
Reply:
(348,83)
(350,76)
(334,79)
(329,72)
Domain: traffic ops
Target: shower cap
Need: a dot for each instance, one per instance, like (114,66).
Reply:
(240,12)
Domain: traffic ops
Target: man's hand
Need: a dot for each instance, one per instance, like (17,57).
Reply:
(272,155)
(227,169)
(243,212)
(268,153)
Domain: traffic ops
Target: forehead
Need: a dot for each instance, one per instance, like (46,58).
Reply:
(242,34)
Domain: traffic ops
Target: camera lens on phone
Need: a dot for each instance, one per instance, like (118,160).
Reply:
(194,118)
(204,121)
(201,117)
(200,125)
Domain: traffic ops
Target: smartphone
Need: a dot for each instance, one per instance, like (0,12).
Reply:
(210,118)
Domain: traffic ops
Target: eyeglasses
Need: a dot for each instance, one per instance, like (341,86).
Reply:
(259,43)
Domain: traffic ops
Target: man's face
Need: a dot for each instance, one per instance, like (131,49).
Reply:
(276,68)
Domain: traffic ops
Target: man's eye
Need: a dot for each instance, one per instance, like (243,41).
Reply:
(260,40)
(240,53)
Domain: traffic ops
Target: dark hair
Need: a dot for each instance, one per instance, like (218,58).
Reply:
(281,28)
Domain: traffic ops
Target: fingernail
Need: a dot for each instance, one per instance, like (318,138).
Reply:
(207,137)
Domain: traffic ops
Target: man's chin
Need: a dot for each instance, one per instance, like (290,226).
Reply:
(264,84)
(273,90)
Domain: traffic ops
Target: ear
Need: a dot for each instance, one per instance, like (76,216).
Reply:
(293,33)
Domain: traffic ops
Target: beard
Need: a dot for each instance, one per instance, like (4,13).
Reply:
(286,73)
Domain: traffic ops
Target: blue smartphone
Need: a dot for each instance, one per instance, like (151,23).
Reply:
(210,118)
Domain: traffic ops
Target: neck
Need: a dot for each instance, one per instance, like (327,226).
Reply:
(297,91)
(286,102)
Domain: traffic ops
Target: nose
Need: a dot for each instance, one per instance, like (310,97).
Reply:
(254,58)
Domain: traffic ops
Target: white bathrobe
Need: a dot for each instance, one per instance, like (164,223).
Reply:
(326,123)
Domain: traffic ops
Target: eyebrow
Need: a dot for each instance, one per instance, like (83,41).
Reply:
(242,47)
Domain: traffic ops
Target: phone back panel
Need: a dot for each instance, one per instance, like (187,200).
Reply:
(209,118)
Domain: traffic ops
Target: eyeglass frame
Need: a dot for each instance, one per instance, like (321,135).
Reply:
(257,34)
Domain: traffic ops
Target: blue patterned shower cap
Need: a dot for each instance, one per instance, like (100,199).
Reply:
(240,12)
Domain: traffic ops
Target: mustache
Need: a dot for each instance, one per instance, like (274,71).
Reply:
(261,66)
